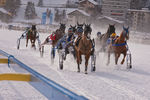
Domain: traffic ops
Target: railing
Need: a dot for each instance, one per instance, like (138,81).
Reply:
(56,91)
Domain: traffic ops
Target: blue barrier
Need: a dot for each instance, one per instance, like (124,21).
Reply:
(65,93)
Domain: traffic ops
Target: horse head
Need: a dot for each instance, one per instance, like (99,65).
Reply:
(79,29)
(62,27)
(87,30)
(125,32)
(80,25)
(33,27)
(73,28)
(111,29)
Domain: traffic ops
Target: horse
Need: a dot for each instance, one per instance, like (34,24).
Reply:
(59,33)
(53,39)
(32,35)
(84,47)
(65,45)
(104,37)
(119,46)
(70,38)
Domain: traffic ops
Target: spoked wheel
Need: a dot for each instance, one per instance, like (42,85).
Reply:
(93,62)
(18,43)
(129,60)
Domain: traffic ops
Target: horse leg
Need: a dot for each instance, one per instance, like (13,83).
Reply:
(108,61)
(86,62)
(123,58)
(116,58)
(34,44)
(27,41)
(78,61)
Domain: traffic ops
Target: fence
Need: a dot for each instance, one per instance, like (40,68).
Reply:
(54,90)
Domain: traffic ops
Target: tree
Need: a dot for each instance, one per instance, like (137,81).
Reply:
(12,6)
(64,14)
(56,15)
(40,3)
(30,11)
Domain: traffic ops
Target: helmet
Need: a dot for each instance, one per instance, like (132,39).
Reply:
(80,30)
(70,30)
(98,33)
(113,35)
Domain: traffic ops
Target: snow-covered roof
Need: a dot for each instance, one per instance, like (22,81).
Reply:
(92,1)
(143,10)
(45,2)
(110,18)
(81,11)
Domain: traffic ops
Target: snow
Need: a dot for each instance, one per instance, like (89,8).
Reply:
(45,2)
(118,21)
(4,11)
(20,18)
(113,82)
(81,11)
(92,1)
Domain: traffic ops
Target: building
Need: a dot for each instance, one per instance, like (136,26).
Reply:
(104,21)
(138,4)
(89,6)
(139,20)
(76,15)
(115,8)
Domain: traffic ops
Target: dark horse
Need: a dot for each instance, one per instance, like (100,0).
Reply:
(84,47)
(119,46)
(59,34)
(31,34)
(104,37)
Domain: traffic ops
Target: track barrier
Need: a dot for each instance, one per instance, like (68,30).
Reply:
(54,91)
(3,60)
(15,77)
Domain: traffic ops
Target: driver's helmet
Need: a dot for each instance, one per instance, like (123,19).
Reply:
(79,30)
(113,35)
(70,30)
(98,33)
(27,28)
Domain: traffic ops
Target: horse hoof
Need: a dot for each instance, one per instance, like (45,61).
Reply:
(86,73)
(130,66)
(94,69)
(78,71)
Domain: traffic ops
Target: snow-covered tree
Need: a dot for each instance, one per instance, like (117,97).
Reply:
(57,15)
(64,14)
(12,6)
(30,11)
(40,3)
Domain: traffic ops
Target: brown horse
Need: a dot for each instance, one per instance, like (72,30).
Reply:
(84,47)
(59,33)
(119,46)
(104,37)
(31,34)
